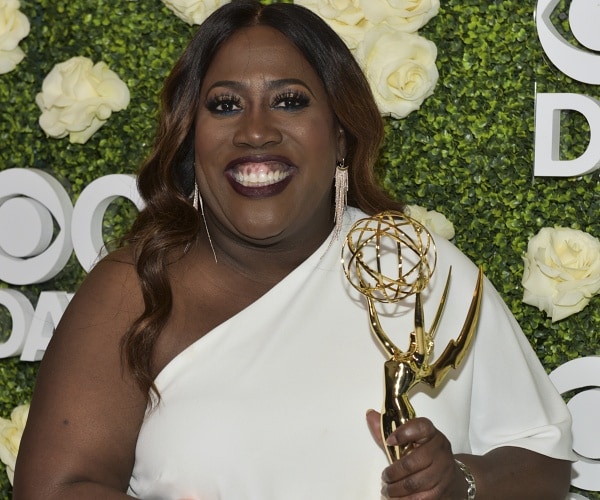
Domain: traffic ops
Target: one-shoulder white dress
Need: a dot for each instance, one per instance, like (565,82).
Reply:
(271,404)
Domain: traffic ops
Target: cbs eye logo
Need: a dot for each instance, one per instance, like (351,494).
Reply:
(583,374)
(582,64)
(40,228)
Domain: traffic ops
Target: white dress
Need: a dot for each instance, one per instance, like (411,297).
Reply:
(271,404)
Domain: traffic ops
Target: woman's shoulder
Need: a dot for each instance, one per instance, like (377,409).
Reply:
(113,275)
(123,256)
(118,266)
(109,293)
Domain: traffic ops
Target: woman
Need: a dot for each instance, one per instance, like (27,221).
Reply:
(221,354)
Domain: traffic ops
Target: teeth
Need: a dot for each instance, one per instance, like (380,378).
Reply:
(260,178)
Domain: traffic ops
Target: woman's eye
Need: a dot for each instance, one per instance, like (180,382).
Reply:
(291,100)
(224,104)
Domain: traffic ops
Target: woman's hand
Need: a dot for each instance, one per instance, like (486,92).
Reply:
(427,470)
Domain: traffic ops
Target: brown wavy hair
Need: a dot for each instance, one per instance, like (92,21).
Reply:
(168,222)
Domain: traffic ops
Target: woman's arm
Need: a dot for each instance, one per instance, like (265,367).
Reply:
(511,472)
(430,469)
(86,410)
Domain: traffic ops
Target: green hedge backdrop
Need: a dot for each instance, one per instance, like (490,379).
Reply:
(468,152)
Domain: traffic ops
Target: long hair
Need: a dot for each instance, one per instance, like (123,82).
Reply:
(166,179)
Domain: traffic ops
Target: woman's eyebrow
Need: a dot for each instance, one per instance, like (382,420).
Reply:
(271,84)
(283,82)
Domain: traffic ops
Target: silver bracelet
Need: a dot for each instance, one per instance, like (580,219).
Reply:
(471,487)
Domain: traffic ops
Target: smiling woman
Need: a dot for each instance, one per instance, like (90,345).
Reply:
(174,374)
(262,117)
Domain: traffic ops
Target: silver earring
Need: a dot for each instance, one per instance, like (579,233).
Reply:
(197,204)
(341,196)
(196,196)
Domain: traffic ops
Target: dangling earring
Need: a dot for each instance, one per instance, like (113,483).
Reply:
(196,196)
(341,196)
(197,204)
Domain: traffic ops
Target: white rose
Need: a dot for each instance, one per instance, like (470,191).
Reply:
(14,26)
(194,11)
(400,68)
(11,431)
(78,97)
(346,18)
(562,271)
(400,15)
(432,220)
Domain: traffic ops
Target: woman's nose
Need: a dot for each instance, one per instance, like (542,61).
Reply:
(257,128)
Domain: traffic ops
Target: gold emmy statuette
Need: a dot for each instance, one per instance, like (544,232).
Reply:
(387,258)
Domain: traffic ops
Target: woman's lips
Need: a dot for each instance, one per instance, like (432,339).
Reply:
(261,176)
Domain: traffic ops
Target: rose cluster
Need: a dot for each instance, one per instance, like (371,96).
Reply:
(562,271)
(78,97)
(14,26)
(194,11)
(382,34)
(11,431)
(432,220)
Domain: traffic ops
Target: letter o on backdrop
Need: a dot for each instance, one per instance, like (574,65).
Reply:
(89,213)
(29,201)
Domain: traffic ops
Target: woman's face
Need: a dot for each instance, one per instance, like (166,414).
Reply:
(266,141)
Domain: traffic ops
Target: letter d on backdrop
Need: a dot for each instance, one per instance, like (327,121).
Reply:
(547,161)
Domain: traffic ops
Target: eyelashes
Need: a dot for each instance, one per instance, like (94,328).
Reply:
(288,100)
(291,99)
(224,104)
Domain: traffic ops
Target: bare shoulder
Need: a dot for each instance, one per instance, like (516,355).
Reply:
(102,309)
(86,409)
(112,281)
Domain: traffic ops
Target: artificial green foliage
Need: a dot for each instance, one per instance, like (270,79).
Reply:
(468,152)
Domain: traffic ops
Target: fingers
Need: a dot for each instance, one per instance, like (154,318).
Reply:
(439,480)
(374,423)
(428,469)
(414,432)
(417,431)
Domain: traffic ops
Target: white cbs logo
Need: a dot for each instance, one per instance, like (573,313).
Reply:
(39,231)
(32,202)
(581,63)
(583,373)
